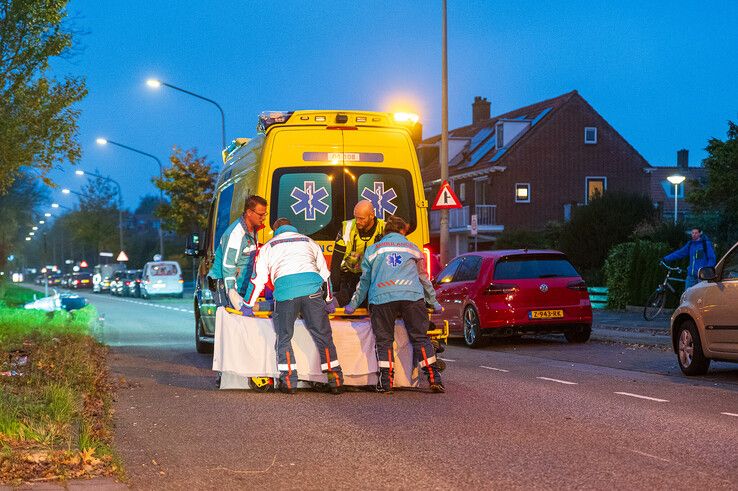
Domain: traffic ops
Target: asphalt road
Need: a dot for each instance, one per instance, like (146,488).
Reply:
(530,414)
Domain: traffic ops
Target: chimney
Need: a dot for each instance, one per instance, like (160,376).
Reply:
(683,158)
(480,109)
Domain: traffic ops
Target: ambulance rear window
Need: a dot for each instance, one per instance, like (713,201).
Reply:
(317,199)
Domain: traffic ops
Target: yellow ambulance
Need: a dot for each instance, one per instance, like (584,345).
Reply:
(313,167)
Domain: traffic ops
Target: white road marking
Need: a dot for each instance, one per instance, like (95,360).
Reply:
(565,382)
(641,397)
(647,455)
(730,414)
(493,368)
(445,359)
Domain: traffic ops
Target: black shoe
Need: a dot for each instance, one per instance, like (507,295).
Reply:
(217,381)
(335,382)
(437,388)
(385,382)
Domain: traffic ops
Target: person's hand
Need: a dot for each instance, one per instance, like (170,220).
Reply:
(330,307)
(349,309)
(247,311)
(437,307)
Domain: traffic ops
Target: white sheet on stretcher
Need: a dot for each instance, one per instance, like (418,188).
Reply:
(246,347)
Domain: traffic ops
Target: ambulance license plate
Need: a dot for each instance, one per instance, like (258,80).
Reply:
(545,314)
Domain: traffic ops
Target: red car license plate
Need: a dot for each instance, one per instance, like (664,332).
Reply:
(545,314)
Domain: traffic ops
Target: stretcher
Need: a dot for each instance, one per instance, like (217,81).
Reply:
(245,351)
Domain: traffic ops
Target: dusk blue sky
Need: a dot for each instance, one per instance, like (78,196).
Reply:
(664,74)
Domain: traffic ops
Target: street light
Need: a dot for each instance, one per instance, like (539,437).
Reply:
(155,84)
(105,141)
(120,202)
(676,180)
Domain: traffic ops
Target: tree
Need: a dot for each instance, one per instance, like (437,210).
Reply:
(95,225)
(17,207)
(607,220)
(189,184)
(38,124)
(716,199)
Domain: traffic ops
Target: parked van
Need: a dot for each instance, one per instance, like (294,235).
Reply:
(313,167)
(161,278)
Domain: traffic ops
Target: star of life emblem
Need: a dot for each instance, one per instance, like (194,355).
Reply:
(309,200)
(381,199)
(394,259)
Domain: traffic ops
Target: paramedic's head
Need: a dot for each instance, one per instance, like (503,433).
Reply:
(364,215)
(254,211)
(696,233)
(281,222)
(396,224)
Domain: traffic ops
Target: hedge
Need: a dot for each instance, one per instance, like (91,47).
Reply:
(632,272)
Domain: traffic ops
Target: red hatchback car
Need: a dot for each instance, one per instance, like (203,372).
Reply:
(513,292)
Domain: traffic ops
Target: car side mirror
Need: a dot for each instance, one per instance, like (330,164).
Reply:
(707,273)
(192,248)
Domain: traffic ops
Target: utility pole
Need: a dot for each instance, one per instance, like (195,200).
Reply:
(443,158)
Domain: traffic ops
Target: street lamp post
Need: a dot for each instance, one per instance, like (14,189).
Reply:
(443,156)
(104,141)
(154,83)
(676,180)
(120,201)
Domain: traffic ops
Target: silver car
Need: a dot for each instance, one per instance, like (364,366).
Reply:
(705,325)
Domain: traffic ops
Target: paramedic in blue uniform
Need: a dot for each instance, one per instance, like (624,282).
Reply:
(394,277)
(234,257)
(297,268)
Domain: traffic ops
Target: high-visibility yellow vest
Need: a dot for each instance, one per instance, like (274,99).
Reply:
(356,245)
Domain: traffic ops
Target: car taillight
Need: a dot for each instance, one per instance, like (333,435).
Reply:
(128,283)
(427,253)
(500,289)
(578,285)
(180,279)
(75,282)
(138,281)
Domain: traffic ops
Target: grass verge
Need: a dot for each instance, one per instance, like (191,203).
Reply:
(55,396)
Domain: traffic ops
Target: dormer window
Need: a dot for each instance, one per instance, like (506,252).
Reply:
(500,135)
(590,135)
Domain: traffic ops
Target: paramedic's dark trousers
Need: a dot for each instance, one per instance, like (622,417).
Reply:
(415,316)
(312,308)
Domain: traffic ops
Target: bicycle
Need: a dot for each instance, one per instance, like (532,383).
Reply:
(657,300)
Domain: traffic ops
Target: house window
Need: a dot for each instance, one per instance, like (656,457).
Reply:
(595,186)
(480,195)
(522,192)
(462,191)
(500,135)
(590,135)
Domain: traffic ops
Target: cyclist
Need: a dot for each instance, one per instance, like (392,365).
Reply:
(700,252)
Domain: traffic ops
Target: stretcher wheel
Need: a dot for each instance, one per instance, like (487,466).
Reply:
(261,384)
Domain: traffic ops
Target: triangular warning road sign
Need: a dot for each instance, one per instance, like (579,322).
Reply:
(122,257)
(446,198)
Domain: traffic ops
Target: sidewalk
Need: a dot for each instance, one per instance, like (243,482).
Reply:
(629,326)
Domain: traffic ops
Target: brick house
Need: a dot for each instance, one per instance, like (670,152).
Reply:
(524,168)
(662,191)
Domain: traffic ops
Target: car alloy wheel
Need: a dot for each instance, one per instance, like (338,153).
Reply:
(472,337)
(692,360)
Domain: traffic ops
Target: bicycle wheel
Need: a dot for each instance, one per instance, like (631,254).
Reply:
(654,305)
